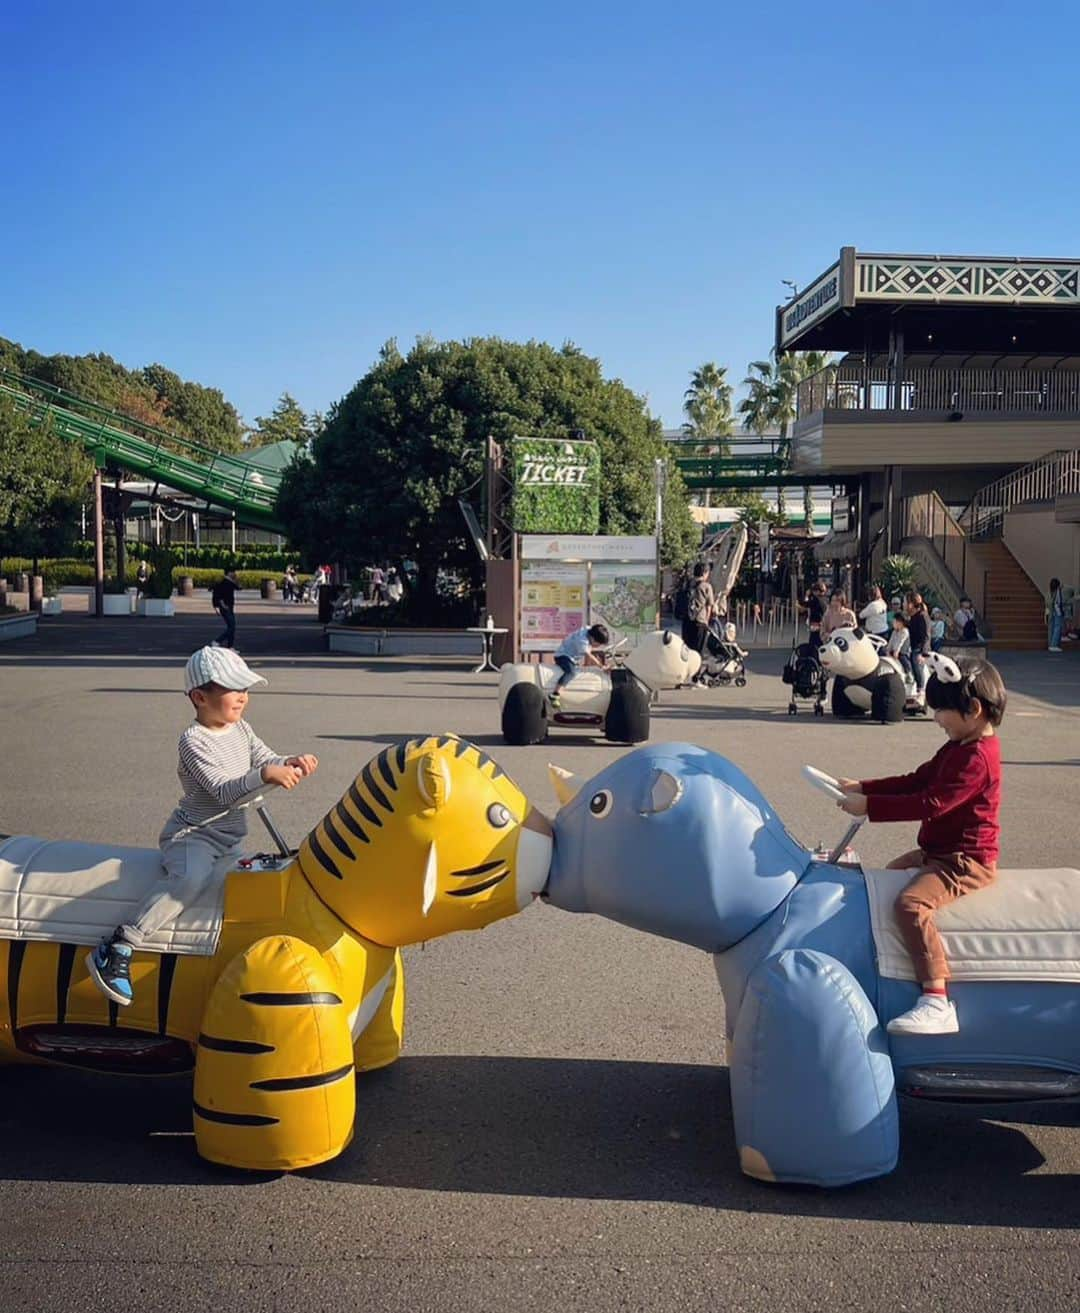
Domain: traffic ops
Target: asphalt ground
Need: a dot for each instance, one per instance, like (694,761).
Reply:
(558,1133)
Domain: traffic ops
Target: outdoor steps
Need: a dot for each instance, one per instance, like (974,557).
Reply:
(1014,606)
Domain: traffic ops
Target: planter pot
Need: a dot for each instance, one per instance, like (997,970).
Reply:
(118,604)
(186,587)
(157,606)
(18,626)
(52,606)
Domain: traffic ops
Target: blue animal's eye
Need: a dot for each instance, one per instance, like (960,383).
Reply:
(600,804)
(499,816)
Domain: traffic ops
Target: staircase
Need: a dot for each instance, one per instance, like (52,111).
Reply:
(1014,607)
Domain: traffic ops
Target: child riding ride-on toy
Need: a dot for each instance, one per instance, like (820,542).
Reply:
(613,701)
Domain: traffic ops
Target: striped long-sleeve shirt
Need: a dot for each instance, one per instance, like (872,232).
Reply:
(217,770)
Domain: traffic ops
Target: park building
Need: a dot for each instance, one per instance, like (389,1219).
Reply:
(951,416)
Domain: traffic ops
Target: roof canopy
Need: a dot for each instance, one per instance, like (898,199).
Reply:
(943,303)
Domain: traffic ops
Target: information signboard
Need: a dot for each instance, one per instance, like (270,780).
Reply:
(552,603)
(623,597)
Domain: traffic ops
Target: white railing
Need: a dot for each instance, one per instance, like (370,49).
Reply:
(1055,475)
(766,624)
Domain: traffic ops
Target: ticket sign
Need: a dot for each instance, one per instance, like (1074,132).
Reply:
(556,485)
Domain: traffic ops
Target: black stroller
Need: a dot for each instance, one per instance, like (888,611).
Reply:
(723,661)
(806,676)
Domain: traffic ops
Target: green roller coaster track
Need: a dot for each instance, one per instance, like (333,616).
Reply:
(111,438)
(749,463)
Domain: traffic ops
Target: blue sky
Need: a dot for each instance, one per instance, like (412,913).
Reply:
(258,195)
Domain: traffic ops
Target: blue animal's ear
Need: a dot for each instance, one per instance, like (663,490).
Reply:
(662,793)
(564,782)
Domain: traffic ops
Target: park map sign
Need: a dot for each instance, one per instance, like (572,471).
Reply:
(556,486)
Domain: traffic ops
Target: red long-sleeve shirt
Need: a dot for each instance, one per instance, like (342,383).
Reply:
(956,795)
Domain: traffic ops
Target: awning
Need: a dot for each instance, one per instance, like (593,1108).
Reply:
(837,547)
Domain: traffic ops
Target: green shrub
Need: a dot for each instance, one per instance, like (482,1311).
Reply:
(161,561)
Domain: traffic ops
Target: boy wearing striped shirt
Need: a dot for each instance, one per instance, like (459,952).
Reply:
(223,763)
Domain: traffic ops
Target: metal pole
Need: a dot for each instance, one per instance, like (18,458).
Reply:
(659,472)
(99,549)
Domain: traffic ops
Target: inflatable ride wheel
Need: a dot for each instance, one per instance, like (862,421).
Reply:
(842,705)
(792,709)
(887,700)
(524,715)
(627,718)
(819,710)
(740,681)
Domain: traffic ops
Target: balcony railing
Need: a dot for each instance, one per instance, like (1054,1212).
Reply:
(1044,480)
(857,387)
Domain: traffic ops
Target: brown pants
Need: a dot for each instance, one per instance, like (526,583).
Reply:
(941,880)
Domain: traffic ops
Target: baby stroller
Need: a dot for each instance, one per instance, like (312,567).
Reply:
(723,661)
(806,676)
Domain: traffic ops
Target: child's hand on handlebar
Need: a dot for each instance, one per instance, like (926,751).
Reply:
(855,804)
(849,786)
(306,764)
(285,777)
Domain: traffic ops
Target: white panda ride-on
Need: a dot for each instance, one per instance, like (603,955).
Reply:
(615,701)
(864,678)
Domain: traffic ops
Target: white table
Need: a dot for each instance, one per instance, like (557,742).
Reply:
(488,636)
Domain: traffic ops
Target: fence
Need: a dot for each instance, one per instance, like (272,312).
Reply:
(926,516)
(768,624)
(1055,475)
(856,387)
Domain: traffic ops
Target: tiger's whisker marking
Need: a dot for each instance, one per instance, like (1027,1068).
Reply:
(482,869)
(478,888)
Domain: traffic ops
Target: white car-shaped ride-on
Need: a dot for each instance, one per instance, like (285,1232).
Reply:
(614,701)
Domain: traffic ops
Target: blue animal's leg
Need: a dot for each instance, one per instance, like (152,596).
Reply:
(811,1078)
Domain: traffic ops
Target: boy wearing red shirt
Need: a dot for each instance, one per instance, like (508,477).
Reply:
(956,795)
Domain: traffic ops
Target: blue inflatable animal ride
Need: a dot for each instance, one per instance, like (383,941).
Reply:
(677,841)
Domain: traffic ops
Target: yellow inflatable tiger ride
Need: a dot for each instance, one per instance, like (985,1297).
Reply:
(279,992)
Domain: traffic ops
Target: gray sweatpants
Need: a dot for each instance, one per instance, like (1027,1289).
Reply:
(188,857)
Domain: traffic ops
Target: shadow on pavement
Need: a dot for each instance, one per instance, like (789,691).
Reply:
(544,1127)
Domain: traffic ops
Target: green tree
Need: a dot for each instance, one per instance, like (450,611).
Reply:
(42,479)
(407,442)
(196,411)
(288,423)
(773,387)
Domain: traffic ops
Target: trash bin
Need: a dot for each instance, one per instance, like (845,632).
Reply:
(328,595)
(186,586)
(269,590)
(21,582)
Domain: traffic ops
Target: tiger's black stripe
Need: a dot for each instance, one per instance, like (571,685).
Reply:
(16,952)
(402,749)
(233,1118)
(362,806)
(303,1082)
(336,839)
(270,1000)
(233,1045)
(64,963)
(322,856)
(350,822)
(166,971)
(368,776)
(383,763)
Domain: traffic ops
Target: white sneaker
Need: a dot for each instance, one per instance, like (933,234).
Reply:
(931,1015)
(1053,649)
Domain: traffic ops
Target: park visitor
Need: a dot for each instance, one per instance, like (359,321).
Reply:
(937,629)
(700,608)
(222,764)
(899,644)
(815,611)
(964,618)
(291,586)
(919,636)
(142,578)
(874,615)
(838,615)
(1055,615)
(223,600)
(577,650)
(956,796)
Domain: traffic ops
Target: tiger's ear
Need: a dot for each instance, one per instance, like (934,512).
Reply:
(433,780)
(564,782)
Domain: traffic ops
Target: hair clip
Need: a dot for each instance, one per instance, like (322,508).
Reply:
(945,668)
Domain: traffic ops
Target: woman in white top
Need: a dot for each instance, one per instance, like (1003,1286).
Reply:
(875,614)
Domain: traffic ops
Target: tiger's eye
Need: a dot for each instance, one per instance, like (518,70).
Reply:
(499,815)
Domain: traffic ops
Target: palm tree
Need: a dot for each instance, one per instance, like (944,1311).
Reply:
(707,406)
(773,395)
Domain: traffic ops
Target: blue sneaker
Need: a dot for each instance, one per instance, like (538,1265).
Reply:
(110,969)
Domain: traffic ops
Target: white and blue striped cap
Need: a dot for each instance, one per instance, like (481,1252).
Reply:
(219,665)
